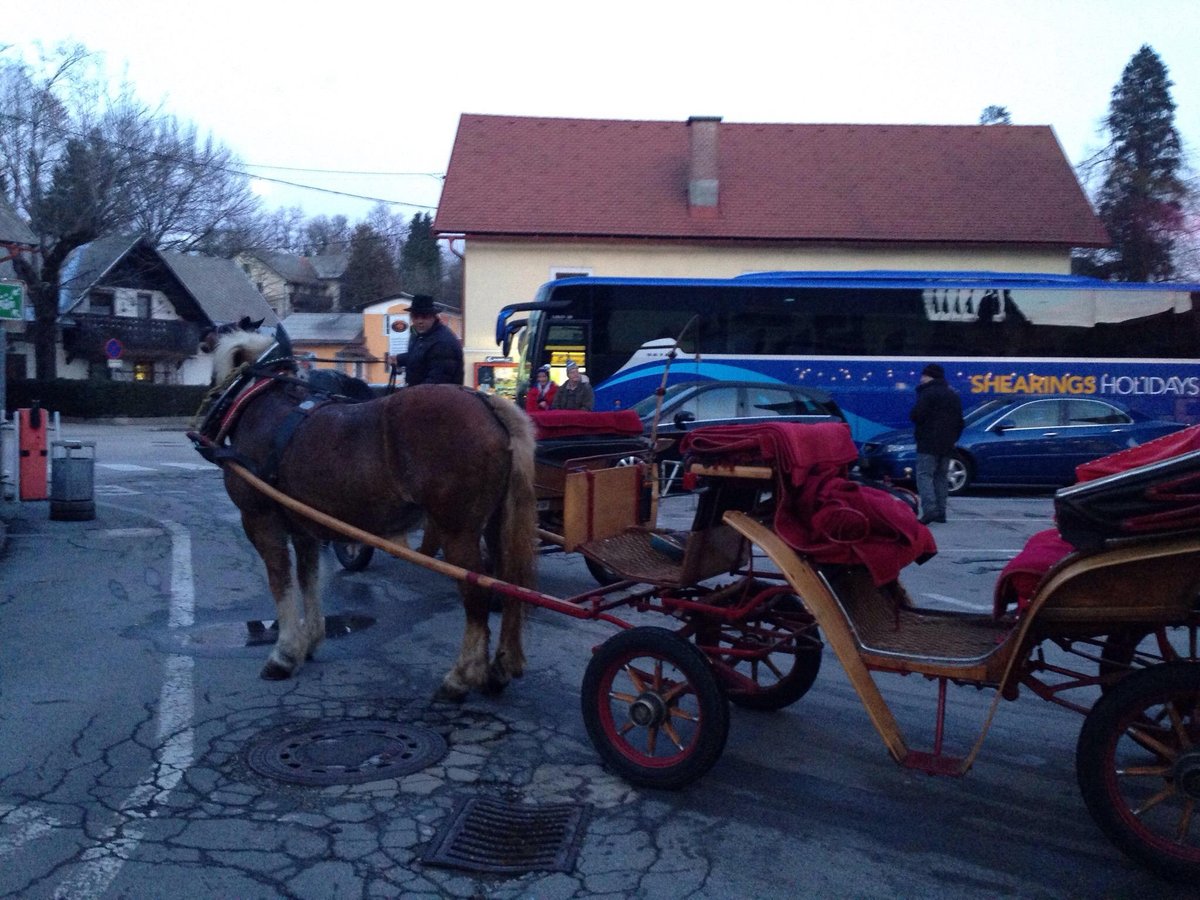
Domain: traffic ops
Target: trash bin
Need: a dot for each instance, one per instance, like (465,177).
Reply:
(72,467)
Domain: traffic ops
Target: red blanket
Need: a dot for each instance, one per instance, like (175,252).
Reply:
(1156,450)
(1019,580)
(561,423)
(820,511)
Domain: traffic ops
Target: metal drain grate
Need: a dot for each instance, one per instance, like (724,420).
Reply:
(491,836)
(345,752)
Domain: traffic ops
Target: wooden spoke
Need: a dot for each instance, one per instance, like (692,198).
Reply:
(622,696)
(651,739)
(673,735)
(680,713)
(637,678)
(1165,794)
(1185,822)
(1143,739)
(1144,771)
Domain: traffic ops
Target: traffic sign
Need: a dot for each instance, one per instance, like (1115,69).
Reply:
(12,300)
(113,348)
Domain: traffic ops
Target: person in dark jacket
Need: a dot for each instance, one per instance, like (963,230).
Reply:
(937,422)
(434,354)
(574,393)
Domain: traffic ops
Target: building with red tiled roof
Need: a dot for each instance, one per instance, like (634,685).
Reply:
(536,198)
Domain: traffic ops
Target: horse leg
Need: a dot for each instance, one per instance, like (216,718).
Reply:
(509,662)
(270,539)
(431,542)
(308,574)
(470,669)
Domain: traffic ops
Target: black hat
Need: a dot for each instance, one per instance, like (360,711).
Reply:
(933,370)
(422,305)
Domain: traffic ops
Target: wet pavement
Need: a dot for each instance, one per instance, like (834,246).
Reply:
(129,653)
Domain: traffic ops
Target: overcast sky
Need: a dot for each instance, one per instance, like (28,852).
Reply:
(379,86)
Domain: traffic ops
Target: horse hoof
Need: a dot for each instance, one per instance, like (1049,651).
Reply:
(273,671)
(495,685)
(447,694)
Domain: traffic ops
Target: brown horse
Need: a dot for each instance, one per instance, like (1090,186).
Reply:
(461,459)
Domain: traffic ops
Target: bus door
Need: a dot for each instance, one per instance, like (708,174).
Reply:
(566,339)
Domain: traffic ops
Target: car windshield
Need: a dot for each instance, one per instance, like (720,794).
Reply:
(645,406)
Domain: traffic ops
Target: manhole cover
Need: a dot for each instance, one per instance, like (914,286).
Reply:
(492,836)
(345,752)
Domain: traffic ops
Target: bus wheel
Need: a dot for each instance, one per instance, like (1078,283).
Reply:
(958,473)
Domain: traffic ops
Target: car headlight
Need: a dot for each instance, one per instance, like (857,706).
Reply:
(899,448)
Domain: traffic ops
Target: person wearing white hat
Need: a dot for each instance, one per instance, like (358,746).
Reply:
(575,393)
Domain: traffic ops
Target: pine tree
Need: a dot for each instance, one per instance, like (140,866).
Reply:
(370,274)
(1141,198)
(995,115)
(421,258)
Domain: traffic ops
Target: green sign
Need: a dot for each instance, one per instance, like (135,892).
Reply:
(12,301)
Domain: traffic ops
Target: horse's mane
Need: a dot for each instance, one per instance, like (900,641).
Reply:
(235,349)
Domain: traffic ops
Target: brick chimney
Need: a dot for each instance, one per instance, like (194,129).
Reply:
(703,186)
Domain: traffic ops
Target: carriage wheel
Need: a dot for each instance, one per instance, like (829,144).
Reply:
(1138,765)
(653,709)
(785,675)
(1139,648)
(353,556)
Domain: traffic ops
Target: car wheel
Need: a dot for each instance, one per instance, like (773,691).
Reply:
(958,473)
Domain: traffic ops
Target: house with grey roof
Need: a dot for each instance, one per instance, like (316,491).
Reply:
(330,341)
(296,284)
(131,312)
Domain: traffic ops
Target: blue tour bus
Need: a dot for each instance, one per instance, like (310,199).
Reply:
(864,337)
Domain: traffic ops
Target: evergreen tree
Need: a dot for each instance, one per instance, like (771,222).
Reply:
(370,273)
(995,115)
(1141,198)
(421,258)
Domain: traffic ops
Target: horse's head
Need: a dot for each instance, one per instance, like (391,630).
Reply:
(233,345)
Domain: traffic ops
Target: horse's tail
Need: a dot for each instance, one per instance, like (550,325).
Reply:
(518,519)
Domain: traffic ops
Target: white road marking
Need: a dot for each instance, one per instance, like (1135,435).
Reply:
(31,824)
(124,467)
(954,601)
(193,467)
(113,490)
(102,862)
(131,532)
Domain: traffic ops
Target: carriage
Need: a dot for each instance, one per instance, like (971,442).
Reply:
(786,556)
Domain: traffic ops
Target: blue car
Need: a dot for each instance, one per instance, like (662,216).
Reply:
(1021,440)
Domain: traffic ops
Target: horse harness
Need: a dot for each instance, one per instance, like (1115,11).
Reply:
(211,441)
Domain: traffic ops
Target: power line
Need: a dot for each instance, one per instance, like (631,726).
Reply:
(68,132)
(438,175)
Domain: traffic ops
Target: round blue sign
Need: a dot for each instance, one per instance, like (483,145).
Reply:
(113,348)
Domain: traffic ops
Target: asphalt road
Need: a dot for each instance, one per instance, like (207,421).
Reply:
(130,704)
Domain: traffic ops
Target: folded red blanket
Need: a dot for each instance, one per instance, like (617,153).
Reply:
(821,512)
(560,423)
(1019,580)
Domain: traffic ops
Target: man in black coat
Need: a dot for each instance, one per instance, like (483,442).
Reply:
(434,354)
(938,421)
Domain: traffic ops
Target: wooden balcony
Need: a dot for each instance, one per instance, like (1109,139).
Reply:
(88,337)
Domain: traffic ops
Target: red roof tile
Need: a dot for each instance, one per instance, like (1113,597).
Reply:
(521,176)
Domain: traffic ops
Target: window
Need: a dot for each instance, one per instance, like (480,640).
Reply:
(143,305)
(776,402)
(718,403)
(1094,412)
(100,303)
(557,273)
(143,371)
(1039,414)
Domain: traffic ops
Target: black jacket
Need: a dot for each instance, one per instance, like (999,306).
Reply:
(434,357)
(937,418)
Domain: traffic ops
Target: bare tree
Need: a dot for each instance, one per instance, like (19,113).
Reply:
(80,161)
